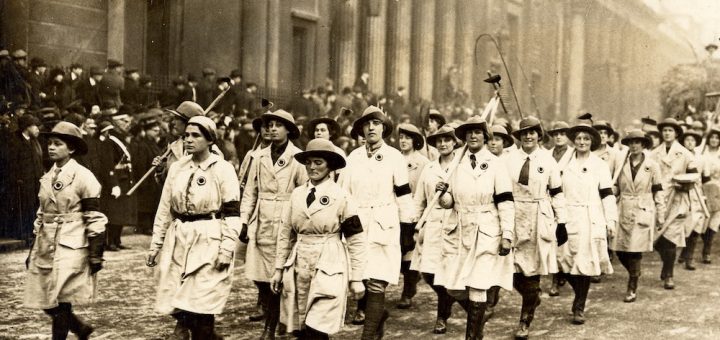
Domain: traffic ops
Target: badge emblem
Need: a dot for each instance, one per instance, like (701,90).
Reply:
(201,181)
(540,170)
(584,170)
(281,162)
(378,157)
(483,166)
(324,200)
(410,166)
(647,169)
(58,185)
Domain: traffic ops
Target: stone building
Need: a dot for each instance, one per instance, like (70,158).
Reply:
(602,56)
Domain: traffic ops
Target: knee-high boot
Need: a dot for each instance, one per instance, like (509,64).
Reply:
(581,286)
(529,288)
(181,331)
(707,238)
(475,323)
(359,317)
(493,297)
(689,251)
(260,306)
(375,316)
(313,334)
(272,316)
(204,327)
(60,323)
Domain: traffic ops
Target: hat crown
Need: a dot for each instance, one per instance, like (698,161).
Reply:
(320,144)
(282,114)
(372,109)
(190,109)
(66,128)
(498,129)
(409,128)
(205,122)
(635,133)
(560,125)
(529,122)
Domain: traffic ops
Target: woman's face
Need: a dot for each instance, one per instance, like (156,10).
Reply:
(714,140)
(560,138)
(373,130)
(278,131)
(689,143)
(495,145)
(668,134)
(405,143)
(636,146)
(194,141)
(475,139)
(178,126)
(321,131)
(58,150)
(317,168)
(583,141)
(529,139)
(445,145)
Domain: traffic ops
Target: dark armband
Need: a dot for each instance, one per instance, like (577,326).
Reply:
(706,179)
(605,192)
(555,191)
(503,197)
(230,209)
(656,187)
(351,226)
(90,204)
(402,190)
(692,170)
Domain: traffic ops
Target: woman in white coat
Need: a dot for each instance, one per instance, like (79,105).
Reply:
(195,234)
(69,236)
(711,178)
(313,265)
(427,255)
(475,256)
(640,203)
(591,216)
(691,139)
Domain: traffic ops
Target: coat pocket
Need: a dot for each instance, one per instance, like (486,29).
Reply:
(645,217)
(73,241)
(329,282)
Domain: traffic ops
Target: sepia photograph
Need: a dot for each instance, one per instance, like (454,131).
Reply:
(359,169)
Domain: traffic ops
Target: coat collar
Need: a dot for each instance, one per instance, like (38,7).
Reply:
(285,159)
(64,178)
(204,165)
(325,195)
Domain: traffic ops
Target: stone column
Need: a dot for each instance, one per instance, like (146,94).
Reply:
(466,32)
(560,113)
(576,60)
(423,42)
(254,40)
(272,65)
(374,42)
(445,22)
(116,30)
(398,42)
(346,20)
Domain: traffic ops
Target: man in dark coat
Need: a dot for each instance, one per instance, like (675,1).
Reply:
(144,149)
(25,165)
(74,79)
(113,82)
(57,93)
(130,94)
(173,96)
(36,79)
(88,91)
(205,87)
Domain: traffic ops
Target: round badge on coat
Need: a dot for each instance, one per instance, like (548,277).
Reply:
(201,181)
(58,185)
(378,157)
(584,170)
(647,169)
(540,169)
(324,200)
(281,162)
(483,166)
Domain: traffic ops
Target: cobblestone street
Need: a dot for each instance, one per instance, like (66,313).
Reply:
(125,307)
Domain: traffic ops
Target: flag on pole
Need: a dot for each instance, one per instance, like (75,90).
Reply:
(491,109)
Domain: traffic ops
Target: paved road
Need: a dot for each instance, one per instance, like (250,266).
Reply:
(125,307)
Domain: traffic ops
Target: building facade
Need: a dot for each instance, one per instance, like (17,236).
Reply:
(564,57)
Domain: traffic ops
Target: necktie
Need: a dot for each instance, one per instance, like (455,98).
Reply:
(473,161)
(310,197)
(55,174)
(525,172)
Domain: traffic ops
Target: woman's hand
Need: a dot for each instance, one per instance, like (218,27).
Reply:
(441,187)
(505,246)
(222,262)
(357,288)
(611,229)
(276,281)
(244,234)
(158,161)
(151,258)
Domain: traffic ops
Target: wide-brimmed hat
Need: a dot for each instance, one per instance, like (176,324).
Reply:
(372,112)
(637,134)
(529,123)
(436,115)
(286,119)
(445,130)
(187,110)
(499,131)
(324,149)
(673,123)
(414,133)
(559,126)
(694,134)
(583,127)
(604,125)
(332,125)
(475,122)
(71,134)
(206,124)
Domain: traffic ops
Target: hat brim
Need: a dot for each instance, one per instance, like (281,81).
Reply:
(335,160)
(517,133)
(418,140)
(178,114)
(678,129)
(461,130)
(358,124)
(647,142)
(78,144)
(507,140)
(551,131)
(432,139)
(604,127)
(698,137)
(573,131)
(440,118)
(332,124)
(293,130)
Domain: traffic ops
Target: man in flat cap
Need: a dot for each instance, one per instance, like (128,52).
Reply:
(88,91)
(113,82)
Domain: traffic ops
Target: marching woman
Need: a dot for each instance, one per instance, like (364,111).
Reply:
(501,142)
(476,249)
(539,211)
(410,140)
(376,177)
(640,205)
(673,159)
(427,255)
(69,236)
(561,152)
(273,176)
(591,216)
(313,265)
(195,234)
(691,139)
(711,177)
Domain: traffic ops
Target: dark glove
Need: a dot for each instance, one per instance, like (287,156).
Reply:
(96,248)
(27,260)
(407,243)
(243,234)
(561,234)
(505,247)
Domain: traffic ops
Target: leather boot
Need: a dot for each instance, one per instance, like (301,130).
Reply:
(707,238)
(375,316)
(181,331)
(312,334)
(205,328)
(631,289)
(554,287)
(440,326)
(272,319)
(259,314)
(60,323)
(668,283)
(530,302)
(581,285)
(689,251)
(79,328)
(475,324)
(493,297)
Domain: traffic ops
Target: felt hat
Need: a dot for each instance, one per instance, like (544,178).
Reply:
(414,133)
(604,125)
(187,110)
(324,149)
(694,134)
(559,126)
(499,130)
(286,119)
(637,134)
(71,134)
(475,122)
(370,113)
(445,130)
(205,124)
(529,123)
(436,115)
(673,123)
(26,121)
(587,128)
(96,71)
(19,54)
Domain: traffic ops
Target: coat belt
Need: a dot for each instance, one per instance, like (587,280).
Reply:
(274,196)
(62,218)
